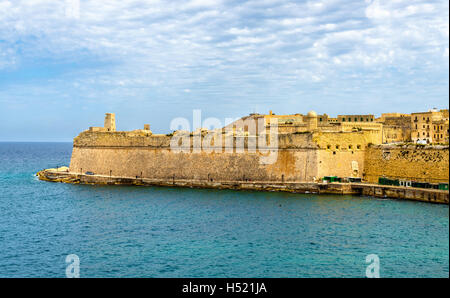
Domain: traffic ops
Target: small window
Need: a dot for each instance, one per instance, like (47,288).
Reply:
(343,119)
(441,136)
(356,119)
(358,146)
(334,152)
(371,120)
(423,126)
(328,146)
(362,119)
(350,146)
(337,147)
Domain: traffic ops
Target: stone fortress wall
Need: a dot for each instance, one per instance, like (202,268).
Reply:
(132,154)
(407,162)
(302,156)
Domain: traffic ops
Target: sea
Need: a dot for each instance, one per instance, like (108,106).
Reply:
(136,231)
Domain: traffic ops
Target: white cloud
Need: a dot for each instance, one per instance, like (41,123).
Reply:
(215,46)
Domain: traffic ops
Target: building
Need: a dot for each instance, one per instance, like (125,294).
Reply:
(396,127)
(440,131)
(430,127)
(299,123)
(355,118)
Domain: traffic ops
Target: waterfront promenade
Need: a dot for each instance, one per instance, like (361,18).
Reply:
(365,189)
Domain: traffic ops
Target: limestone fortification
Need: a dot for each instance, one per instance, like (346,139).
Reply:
(302,156)
(409,162)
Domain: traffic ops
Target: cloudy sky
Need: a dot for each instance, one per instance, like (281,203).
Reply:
(64,63)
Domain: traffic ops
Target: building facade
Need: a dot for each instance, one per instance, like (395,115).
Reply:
(430,127)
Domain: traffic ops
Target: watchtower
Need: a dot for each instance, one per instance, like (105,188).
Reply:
(110,122)
(312,121)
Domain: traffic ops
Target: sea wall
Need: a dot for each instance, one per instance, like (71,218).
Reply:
(342,153)
(409,162)
(368,190)
(131,154)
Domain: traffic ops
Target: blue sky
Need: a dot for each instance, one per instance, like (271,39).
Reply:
(62,68)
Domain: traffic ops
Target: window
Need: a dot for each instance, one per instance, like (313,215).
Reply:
(358,146)
(424,126)
(423,133)
(416,126)
(337,147)
(320,119)
(349,119)
(371,120)
(441,136)
(356,119)
(328,146)
(343,119)
(350,146)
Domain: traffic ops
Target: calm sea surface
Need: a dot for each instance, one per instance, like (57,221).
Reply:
(173,232)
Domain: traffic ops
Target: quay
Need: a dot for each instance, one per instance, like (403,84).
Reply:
(362,189)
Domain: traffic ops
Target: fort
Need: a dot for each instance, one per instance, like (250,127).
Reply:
(276,153)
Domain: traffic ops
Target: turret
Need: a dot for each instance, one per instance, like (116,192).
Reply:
(312,121)
(110,122)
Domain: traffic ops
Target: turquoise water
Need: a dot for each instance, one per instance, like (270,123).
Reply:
(172,232)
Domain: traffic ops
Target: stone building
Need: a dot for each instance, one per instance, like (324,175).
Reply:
(355,118)
(430,127)
(299,123)
(440,131)
(396,127)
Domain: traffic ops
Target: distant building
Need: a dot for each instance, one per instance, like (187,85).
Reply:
(430,127)
(299,123)
(396,127)
(355,118)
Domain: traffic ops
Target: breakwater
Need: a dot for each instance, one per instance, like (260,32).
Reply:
(366,189)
